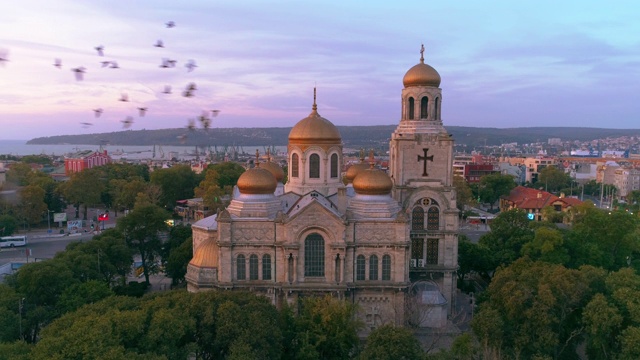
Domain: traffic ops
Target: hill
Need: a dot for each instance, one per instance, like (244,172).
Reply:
(352,136)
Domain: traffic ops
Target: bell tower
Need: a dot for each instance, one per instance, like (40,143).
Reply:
(421,168)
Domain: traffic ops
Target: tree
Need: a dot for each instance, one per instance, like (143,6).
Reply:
(19,174)
(32,207)
(176,264)
(473,258)
(510,231)
(228,173)
(141,229)
(389,342)
(210,191)
(329,325)
(8,225)
(84,187)
(553,179)
(464,195)
(493,186)
(177,183)
(548,246)
(538,309)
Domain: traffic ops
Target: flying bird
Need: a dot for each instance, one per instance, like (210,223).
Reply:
(79,72)
(191,125)
(188,92)
(86,124)
(159,44)
(99,49)
(4,56)
(97,112)
(215,113)
(57,63)
(190,65)
(168,63)
(205,120)
(126,123)
(167,89)
(142,110)
(105,63)
(114,65)
(124,97)
(170,24)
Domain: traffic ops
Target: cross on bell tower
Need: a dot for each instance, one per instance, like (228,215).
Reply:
(424,161)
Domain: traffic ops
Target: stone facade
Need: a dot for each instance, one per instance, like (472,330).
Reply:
(387,243)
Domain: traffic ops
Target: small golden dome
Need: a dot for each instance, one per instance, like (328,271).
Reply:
(314,129)
(206,255)
(421,75)
(354,170)
(274,169)
(257,181)
(372,182)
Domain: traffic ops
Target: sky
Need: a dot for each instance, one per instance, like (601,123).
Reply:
(503,63)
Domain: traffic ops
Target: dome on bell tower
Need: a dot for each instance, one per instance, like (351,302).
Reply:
(257,181)
(421,74)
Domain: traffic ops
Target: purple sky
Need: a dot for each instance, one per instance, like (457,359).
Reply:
(502,63)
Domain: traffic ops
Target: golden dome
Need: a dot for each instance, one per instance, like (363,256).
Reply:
(274,169)
(354,170)
(421,74)
(206,255)
(257,181)
(372,182)
(314,129)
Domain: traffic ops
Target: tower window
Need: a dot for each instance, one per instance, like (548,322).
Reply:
(314,255)
(433,218)
(266,267)
(334,165)
(436,111)
(373,267)
(411,108)
(253,267)
(424,103)
(294,165)
(432,251)
(417,218)
(241,270)
(314,166)
(360,267)
(386,267)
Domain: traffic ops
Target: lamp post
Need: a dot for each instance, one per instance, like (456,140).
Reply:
(602,185)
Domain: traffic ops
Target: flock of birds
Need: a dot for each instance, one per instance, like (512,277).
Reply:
(204,119)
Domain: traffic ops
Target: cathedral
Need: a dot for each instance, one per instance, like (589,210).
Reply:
(388,242)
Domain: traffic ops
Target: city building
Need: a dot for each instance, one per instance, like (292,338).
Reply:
(386,241)
(85,159)
(533,201)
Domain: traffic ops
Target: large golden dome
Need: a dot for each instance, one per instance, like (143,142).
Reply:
(274,169)
(372,182)
(206,255)
(314,129)
(421,74)
(257,181)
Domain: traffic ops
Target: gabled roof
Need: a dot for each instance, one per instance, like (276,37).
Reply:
(308,199)
(528,198)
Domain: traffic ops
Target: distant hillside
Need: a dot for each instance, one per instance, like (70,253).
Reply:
(352,136)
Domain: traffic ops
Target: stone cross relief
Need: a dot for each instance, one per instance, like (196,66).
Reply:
(424,159)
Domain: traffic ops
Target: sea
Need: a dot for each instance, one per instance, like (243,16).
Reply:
(21,148)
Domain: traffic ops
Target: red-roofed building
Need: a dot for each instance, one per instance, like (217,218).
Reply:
(86,159)
(533,201)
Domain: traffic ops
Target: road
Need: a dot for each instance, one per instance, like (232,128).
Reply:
(41,248)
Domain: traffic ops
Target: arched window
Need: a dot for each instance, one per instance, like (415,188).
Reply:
(241,269)
(436,110)
(386,267)
(314,255)
(424,102)
(294,165)
(266,267)
(433,218)
(373,267)
(290,267)
(314,166)
(432,251)
(411,109)
(360,267)
(417,218)
(337,272)
(253,267)
(334,165)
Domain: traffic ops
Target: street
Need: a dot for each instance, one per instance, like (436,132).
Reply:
(41,248)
